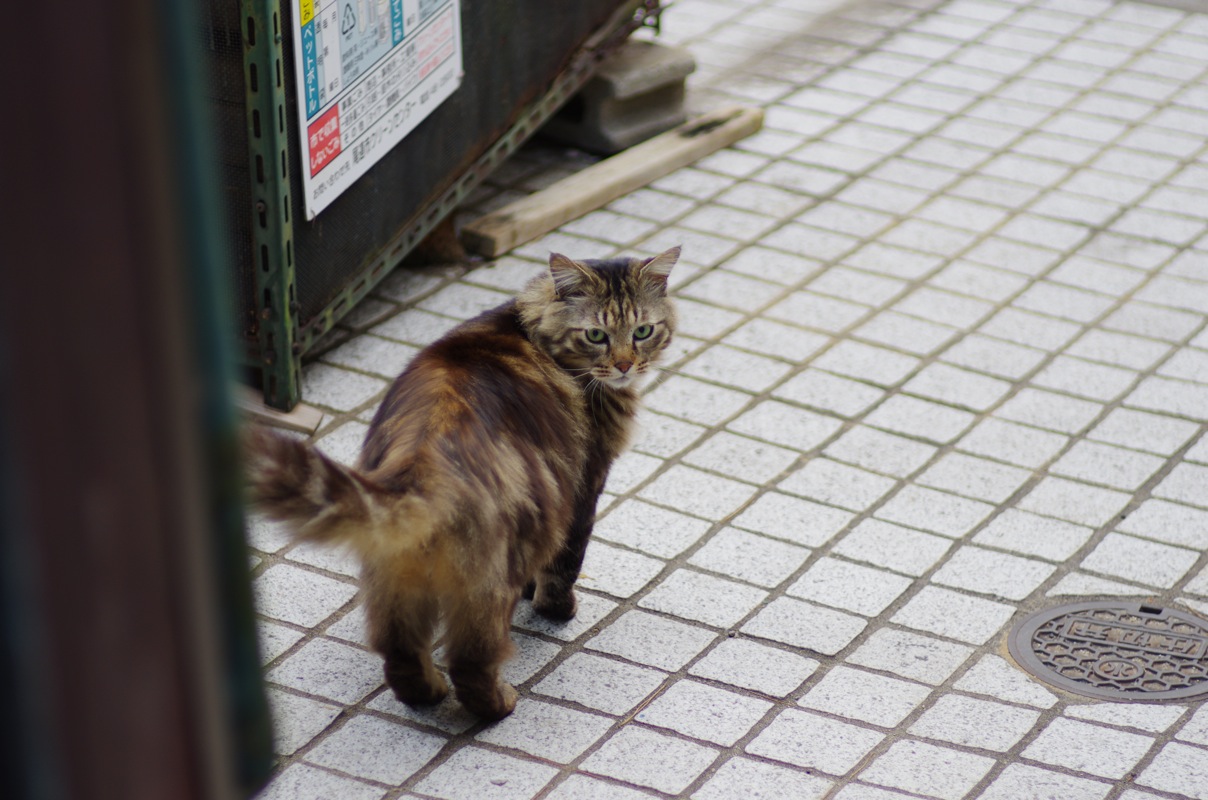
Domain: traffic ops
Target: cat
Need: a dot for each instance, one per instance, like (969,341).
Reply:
(480,473)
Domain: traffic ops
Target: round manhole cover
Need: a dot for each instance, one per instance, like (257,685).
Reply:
(1115,651)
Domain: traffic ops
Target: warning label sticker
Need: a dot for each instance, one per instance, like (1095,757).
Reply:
(369,71)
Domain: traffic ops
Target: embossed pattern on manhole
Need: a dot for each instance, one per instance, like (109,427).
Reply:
(1115,651)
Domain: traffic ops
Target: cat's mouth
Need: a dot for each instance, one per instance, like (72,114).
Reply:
(625,380)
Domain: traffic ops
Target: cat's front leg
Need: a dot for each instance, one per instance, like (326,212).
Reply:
(554,597)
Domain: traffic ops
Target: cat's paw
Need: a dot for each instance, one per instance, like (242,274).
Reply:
(559,607)
(419,693)
(493,705)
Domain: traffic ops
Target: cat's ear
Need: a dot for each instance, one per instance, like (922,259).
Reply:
(657,269)
(570,277)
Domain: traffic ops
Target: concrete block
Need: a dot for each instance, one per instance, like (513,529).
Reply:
(636,94)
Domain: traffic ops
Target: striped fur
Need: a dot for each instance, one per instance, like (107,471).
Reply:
(479,475)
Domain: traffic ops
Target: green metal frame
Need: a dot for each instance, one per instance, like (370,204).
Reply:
(274,272)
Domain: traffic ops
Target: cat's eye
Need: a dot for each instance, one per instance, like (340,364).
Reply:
(596,336)
(643,331)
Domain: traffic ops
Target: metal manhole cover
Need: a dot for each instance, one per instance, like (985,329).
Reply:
(1115,651)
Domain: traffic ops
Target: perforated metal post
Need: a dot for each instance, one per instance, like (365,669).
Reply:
(274,272)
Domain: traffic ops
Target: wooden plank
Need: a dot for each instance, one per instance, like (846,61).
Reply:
(496,233)
(303,418)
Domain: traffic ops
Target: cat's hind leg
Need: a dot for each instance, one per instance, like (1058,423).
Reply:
(401,625)
(477,643)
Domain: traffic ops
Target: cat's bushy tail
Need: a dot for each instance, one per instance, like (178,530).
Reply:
(319,499)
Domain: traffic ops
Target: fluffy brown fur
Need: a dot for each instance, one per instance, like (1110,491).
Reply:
(480,473)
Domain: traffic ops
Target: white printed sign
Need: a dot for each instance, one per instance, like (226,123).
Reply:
(368,71)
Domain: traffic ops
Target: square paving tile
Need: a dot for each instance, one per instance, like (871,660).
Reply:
(920,658)
(696,492)
(892,546)
(581,787)
(693,595)
(863,362)
(936,512)
(299,596)
(958,387)
(297,720)
(704,712)
(1024,780)
(928,770)
(664,436)
(749,557)
(1172,523)
(852,587)
(792,519)
(1139,560)
(1031,534)
(1196,728)
(837,484)
(1142,430)
(331,670)
(371,747)
(547,731)
(1074,502)
(647,758)
(651,529)
(1179,769)
(736,368)
(739,457)
(695,401)
(758,667)
(604,684)
(975,478)
(786,425)
(880,452)
(982,571)
(1092,749)
(993,676)
(1107,465)
(478,772)
(814,742)
(615,571)
(745,777)
(865,696)
(777,339)
(830,393)
(274,639)
(804,625)
(976,723)
(1141,716)
(1184,484)
(957,616)
(301,782)
(920,418)
(652,640)
(1015,444)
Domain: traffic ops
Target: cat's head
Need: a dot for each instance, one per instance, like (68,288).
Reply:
(609,319)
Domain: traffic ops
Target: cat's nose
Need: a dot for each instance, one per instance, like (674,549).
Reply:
(623,366)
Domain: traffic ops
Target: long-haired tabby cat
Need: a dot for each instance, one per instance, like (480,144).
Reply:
(479,475)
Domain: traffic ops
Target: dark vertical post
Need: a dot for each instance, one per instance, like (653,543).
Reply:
(115,651)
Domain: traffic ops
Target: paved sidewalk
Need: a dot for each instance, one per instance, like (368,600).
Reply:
(943,361)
